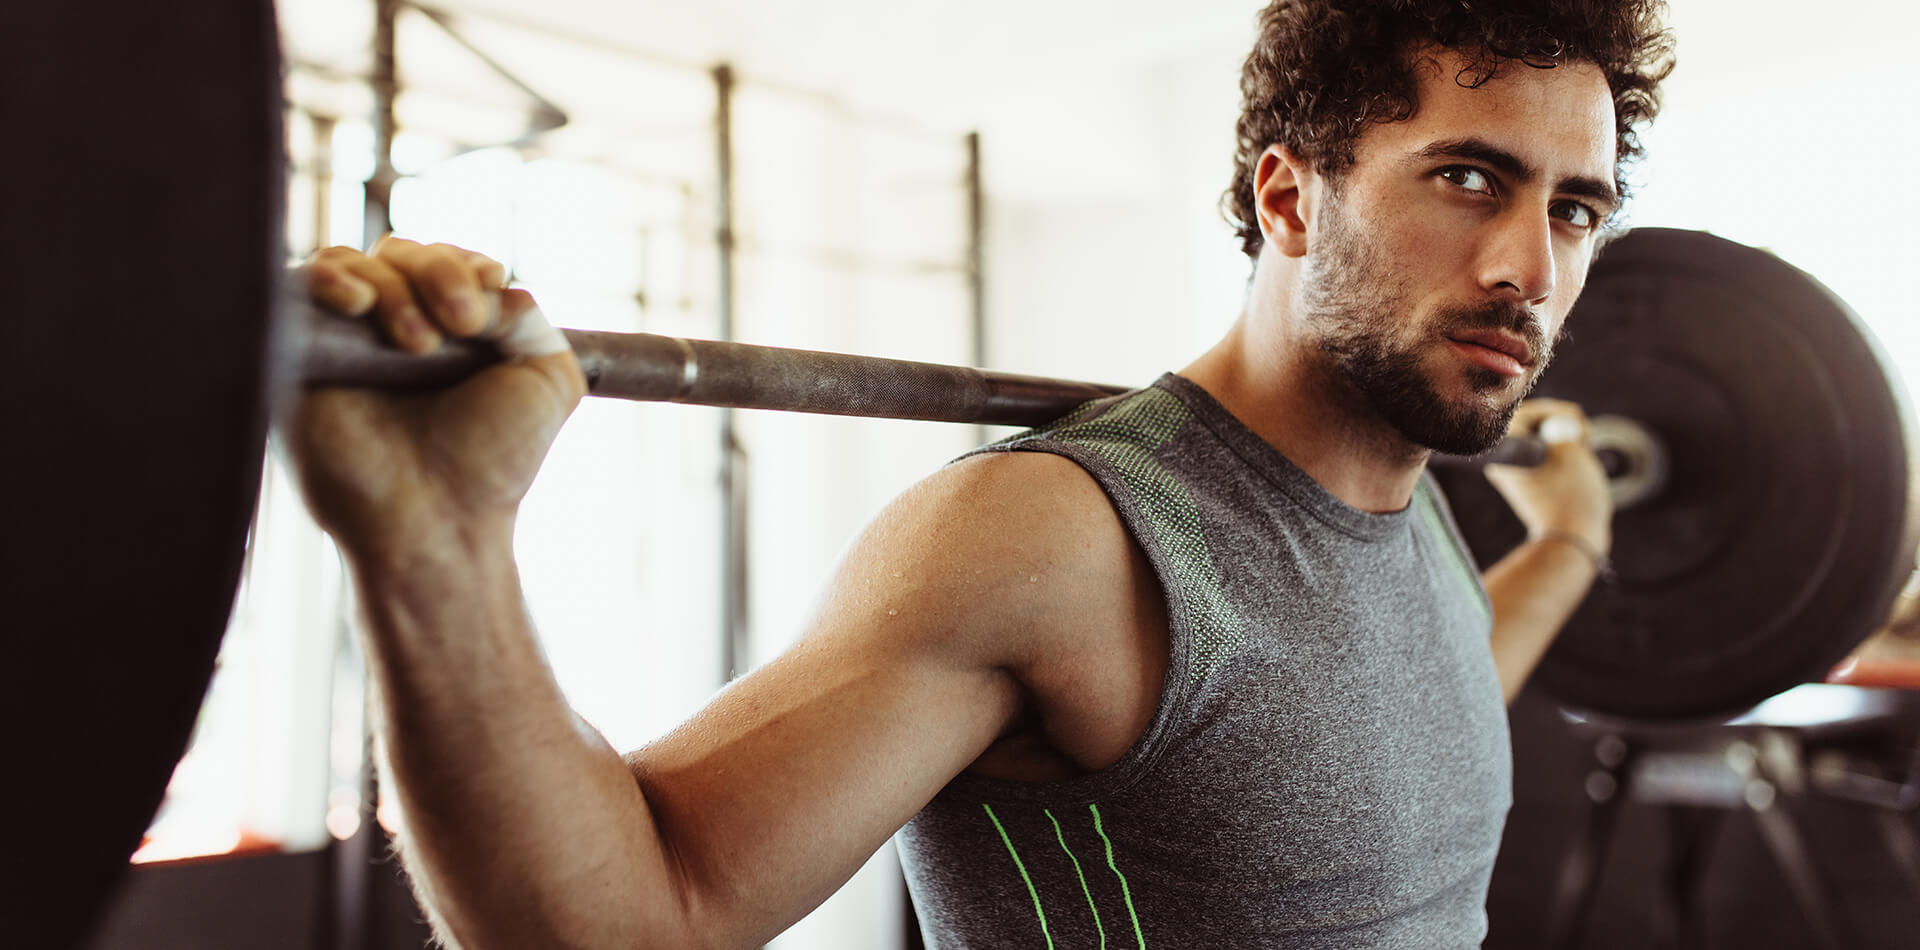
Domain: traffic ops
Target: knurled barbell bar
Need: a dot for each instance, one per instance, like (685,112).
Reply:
(648,367)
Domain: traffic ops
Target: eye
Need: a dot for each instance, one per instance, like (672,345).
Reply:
(1574,213)
(1471,179)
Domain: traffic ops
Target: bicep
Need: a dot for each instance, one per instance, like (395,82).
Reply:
(780,789)
(775,793)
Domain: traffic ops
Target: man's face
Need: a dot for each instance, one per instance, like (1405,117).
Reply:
(1442,263)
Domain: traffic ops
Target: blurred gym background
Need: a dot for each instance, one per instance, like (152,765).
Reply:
(1031,186)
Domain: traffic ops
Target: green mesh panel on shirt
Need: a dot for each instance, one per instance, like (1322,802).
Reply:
(1127,437)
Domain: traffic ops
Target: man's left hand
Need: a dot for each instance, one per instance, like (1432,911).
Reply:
(1567,493)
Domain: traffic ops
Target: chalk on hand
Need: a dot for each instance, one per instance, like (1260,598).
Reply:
(529,334)
(1558,429)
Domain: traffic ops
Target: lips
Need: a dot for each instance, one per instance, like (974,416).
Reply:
(1499,341)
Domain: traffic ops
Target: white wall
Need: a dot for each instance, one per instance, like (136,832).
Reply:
(1108,258)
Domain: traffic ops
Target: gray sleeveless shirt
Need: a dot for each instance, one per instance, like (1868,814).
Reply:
(1328,765)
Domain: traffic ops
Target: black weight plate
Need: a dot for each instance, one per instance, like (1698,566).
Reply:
(142,186)
(1788,522)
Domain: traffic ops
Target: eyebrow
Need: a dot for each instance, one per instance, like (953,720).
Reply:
(1506,163)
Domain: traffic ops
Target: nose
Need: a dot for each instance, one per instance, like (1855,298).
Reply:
(1517,260)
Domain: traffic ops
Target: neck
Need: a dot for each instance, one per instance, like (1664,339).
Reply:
(1271,375)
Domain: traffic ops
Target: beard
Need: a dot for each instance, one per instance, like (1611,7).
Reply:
(1363,324)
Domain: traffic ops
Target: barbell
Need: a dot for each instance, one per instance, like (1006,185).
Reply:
(1772,527)
(648,367)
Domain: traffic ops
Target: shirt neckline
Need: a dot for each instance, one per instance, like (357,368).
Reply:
(1279,470)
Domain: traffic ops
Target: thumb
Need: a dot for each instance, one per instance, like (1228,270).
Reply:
(527,338)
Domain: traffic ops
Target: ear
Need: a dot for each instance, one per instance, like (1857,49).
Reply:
(1284,188)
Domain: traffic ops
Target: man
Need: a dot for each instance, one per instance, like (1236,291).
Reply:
(1200,666)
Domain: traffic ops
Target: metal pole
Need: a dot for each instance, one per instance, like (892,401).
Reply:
(351,884)
(735,648)
(321,163)
(386,88)
(976,269)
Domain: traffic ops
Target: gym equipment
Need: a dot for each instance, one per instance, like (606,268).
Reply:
(1770,521)
(1783,521)
(134,376)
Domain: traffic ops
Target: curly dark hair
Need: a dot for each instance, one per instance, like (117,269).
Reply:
(1322,71)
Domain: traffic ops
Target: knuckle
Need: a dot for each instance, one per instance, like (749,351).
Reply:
(435,265)
(317,272)
(515,301)
(447,269)
(489,271)
(389,245)
(481,260)
(336,254)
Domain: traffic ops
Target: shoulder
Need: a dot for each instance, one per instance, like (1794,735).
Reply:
(998,490)
(1036,509)
(992,554)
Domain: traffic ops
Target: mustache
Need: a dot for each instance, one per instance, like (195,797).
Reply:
(1498,315)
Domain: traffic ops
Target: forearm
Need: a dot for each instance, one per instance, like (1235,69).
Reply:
(1535,590)
(523,827)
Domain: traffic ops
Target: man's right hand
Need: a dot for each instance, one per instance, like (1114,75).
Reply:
(386,473)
